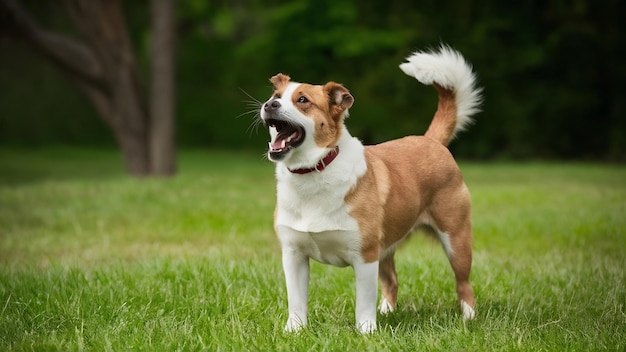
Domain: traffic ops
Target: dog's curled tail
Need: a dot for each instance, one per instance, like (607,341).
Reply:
(453,78)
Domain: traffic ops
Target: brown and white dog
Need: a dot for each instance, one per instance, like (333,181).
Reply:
(341,203)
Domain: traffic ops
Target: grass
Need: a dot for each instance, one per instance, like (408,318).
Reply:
(93,260)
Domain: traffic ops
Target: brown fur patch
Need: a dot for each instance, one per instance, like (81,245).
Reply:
(325,105)
(443,124)
(280,82)
(405,179)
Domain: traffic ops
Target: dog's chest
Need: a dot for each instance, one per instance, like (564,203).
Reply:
(339,248)
(315,204)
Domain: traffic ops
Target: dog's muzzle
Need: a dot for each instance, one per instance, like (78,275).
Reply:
(289,135)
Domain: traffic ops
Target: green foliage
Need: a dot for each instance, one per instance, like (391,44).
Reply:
(91,259)
(552,72)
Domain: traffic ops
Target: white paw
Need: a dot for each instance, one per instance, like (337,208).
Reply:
(294,324)
(468,312)
(385,307)
(366,327)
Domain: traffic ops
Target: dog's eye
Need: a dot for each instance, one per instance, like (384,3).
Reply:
(302,100)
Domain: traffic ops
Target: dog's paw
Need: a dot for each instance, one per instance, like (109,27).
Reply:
(468,312)
(385,307)
(294,324)
(366,327)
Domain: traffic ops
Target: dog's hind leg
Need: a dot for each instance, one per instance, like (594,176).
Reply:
(453,226)
(389,283)
(461,261)
(458,246)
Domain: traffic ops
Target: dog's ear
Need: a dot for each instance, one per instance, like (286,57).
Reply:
(338,95)
(280,81)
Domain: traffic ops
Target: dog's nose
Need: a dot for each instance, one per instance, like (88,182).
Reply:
(272,105)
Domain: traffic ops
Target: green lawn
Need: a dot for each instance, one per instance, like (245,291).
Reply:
(91,259)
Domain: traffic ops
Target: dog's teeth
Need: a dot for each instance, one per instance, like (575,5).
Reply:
(293,135)
(273,148)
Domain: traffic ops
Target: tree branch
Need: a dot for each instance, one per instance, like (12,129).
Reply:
(69,54)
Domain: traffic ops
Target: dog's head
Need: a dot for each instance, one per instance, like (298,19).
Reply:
(304,120)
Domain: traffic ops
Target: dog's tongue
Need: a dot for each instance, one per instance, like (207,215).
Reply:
(278,145)
(281,141)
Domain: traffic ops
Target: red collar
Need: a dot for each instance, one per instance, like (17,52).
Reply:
(321,165)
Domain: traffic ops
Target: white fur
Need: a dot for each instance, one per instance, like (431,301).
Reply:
(448,69)
(338,248)
(314,202)
(444,237)
(296,269)
(366,294)
(468,311)
(385,307)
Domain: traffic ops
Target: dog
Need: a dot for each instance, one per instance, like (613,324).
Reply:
(342,203)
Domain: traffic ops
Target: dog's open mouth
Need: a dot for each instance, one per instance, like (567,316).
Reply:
(289,136)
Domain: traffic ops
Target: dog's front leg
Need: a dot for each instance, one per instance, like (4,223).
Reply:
(366,296)
(296,268)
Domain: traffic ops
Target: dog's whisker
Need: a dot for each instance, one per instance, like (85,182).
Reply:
(252,99)
(252,102)
(254,105)
(254,126)
(249,112)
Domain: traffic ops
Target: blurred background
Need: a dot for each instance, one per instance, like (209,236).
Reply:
(105,73)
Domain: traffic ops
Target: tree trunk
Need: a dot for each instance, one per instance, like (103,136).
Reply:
(162,129)
(102,24)
(105,69)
